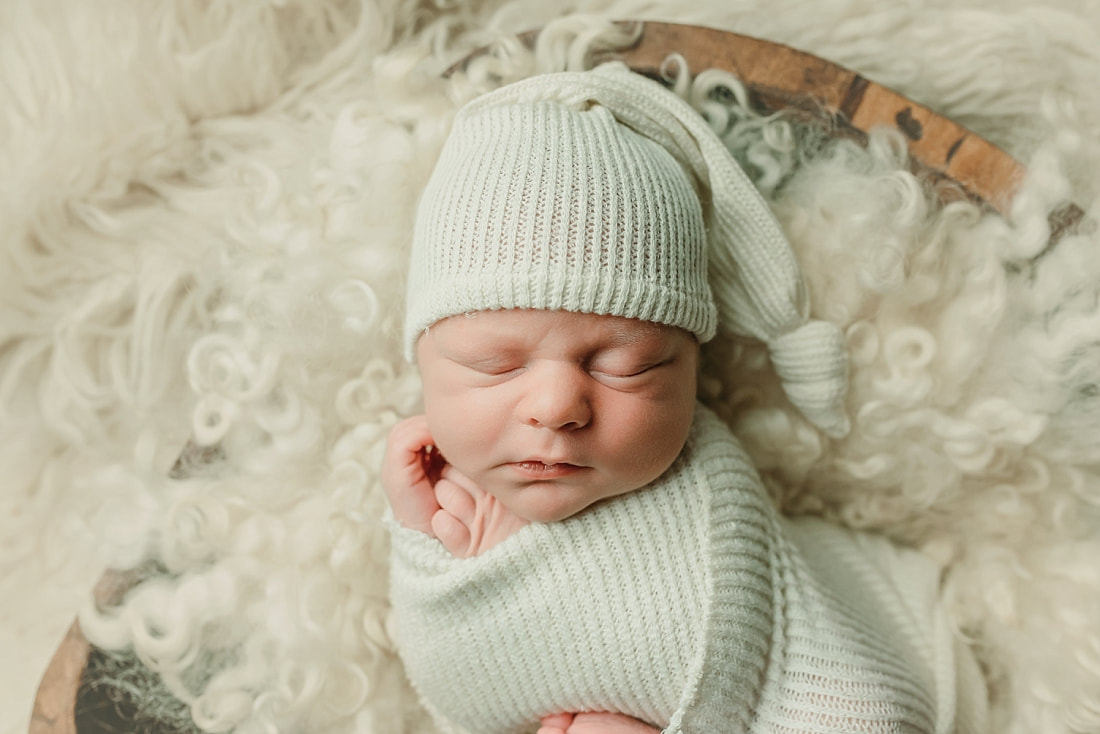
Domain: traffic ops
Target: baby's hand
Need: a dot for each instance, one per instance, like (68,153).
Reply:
(430,495)
(409,471)
(594,723)
(470,521)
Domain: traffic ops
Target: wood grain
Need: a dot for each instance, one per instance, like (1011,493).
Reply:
(55,702)
(54,709)
(781,77)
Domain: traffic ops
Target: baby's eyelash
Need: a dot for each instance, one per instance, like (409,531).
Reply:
(498,371)
(629,373)
(491,368)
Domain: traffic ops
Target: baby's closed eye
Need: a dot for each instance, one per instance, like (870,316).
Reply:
(623,368)
(492,366)
(491,363)
(627,363)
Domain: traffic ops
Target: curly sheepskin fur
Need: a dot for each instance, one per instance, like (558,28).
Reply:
(203,232)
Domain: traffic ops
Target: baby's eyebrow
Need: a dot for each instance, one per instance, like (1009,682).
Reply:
(627,335)
(493,357)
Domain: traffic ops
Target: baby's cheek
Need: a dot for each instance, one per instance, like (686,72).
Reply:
(457,437)
(444,443)
(644,455)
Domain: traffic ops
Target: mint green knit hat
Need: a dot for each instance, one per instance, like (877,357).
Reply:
(542,206)
(603,192)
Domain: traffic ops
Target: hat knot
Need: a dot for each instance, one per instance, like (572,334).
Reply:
(811,361)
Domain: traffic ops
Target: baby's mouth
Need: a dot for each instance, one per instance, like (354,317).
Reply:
(545,470)
(541,465)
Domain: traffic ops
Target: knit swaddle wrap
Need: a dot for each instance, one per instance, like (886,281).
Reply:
(685,604)
(603,192)
(545,621)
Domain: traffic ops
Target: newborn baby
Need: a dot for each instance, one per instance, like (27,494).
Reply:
(575,540)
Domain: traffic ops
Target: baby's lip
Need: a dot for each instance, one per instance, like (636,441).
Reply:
(548,461)
(541,469)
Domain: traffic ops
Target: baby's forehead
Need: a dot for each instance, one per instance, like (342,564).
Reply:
(509,325)
(630,331)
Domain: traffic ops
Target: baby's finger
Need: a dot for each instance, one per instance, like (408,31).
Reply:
(454,536)
(454,475)
(406,446)
(557,721)
(411,430)
(608,723)
(456,500)
(555,724)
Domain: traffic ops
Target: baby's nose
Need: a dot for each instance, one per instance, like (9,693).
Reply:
(558,400)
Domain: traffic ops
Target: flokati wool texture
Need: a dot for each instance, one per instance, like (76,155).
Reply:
(204,227)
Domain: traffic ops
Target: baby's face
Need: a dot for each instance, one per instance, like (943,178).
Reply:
(551,411)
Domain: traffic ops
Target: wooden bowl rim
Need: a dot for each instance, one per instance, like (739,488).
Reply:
(779,76)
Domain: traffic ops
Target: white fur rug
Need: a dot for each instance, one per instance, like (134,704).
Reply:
(203,223)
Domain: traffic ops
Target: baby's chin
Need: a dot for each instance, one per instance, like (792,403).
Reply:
(548,503)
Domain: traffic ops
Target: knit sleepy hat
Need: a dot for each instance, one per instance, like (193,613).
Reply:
(603,192)
(543,206)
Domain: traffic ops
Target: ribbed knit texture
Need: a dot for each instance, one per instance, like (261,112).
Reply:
(689,604)
(541,206)
(603,192)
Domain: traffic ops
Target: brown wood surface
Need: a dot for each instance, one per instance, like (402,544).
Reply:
(54,709)
(778,77)
(781,77)
(55,703)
